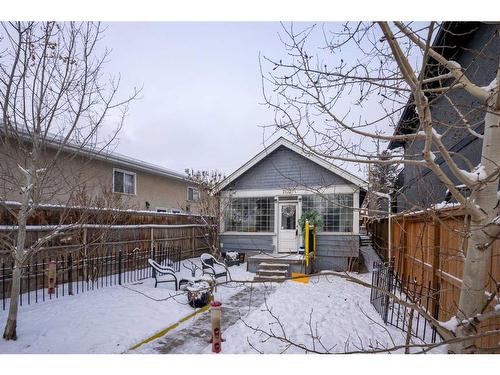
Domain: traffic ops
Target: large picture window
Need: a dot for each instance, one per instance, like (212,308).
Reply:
(123,182)
(335,209)
(250,215)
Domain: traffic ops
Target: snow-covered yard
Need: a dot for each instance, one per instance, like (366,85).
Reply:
(112,320)
(339,311)
(109,320)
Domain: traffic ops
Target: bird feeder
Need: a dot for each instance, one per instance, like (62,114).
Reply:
(51,274)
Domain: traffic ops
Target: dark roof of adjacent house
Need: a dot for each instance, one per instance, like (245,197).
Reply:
(449,43)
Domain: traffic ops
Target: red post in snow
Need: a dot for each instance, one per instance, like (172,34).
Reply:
(216,340)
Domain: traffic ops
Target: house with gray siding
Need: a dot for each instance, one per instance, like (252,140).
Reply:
(475,46)
(262,201)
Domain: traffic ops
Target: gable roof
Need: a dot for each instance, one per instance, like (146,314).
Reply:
(282,142)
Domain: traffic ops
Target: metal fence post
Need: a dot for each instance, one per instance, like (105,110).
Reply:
(153,256)
(152,237)
(389,284)
(4,280)
(193,241)
(119,267)
(70,275)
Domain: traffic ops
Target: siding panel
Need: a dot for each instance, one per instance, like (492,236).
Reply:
(345,246)
(333,251)
(243,243)
(284,168)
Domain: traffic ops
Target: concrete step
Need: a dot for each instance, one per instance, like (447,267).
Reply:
(365,241)
(267,265)
(273,279)
(270,272)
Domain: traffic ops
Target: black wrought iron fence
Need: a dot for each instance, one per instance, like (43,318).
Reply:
(77,273)
(392,312)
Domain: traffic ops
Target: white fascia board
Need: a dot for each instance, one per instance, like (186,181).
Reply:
(286,143)
(248,193)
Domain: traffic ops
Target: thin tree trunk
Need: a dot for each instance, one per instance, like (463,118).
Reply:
(19,254)
(10,328)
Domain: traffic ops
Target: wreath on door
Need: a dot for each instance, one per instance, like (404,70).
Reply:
(288,211)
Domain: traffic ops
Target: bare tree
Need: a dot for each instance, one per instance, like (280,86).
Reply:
(208,204)
(382,179)
(333,105)
(55,106)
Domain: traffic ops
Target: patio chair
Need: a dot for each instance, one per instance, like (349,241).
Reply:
(212,267)
(160,271)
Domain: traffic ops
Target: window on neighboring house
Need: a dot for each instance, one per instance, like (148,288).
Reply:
(250,215)
(124,182)
(335,209)
(193,194)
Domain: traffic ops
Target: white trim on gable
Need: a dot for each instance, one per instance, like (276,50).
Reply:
(286,143)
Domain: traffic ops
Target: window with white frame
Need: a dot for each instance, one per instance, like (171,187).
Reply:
(249,215)
(124,182)
(336,211)
(193,194)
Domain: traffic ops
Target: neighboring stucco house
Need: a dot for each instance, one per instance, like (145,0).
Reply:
(475,46)
(262,201)
(128,182)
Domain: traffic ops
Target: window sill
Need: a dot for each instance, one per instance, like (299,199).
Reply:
(127,194)
(336,234)
(248,233)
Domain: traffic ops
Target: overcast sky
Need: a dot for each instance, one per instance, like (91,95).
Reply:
(200,105)
(202,92)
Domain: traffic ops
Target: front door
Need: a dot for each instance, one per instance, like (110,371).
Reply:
(287,236)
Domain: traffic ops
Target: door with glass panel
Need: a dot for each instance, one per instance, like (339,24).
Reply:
(288,233)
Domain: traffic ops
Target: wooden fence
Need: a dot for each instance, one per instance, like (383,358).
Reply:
(428,249)
(92,239)
(98,252)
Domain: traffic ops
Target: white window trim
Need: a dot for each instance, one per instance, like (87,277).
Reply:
(338,189)
(355,217)
(187,194)
(163,209)
(127,172)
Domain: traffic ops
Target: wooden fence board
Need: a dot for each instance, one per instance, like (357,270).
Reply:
(429,248)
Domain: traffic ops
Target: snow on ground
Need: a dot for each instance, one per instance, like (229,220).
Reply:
(341,314)
(112,320)
(108,320)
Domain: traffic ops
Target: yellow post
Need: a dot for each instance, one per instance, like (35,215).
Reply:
(314,242)
(306,243)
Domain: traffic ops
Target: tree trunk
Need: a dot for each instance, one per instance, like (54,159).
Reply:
(10,328)
(19,255)
(477,261)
